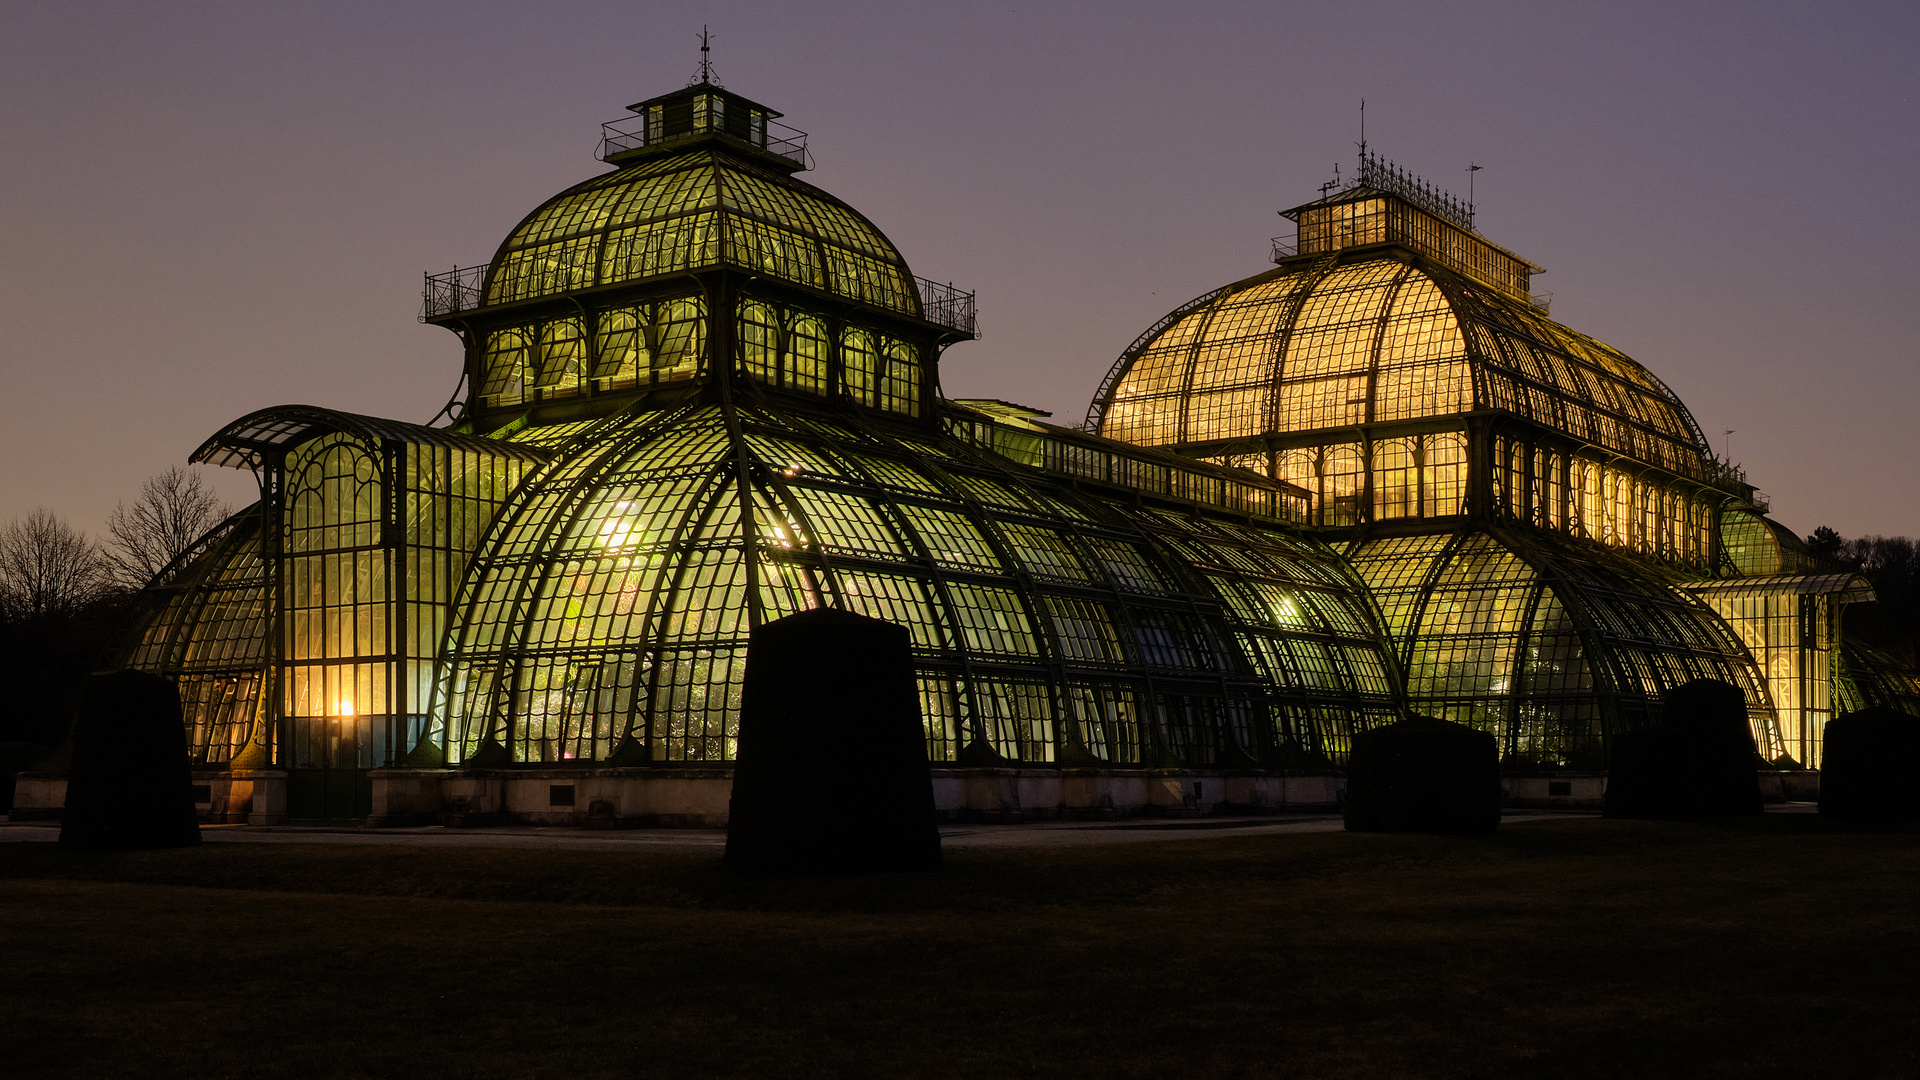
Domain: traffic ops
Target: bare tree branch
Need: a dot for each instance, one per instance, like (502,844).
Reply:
(48,569)
(174,509)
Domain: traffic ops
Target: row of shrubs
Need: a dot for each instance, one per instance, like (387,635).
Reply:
(1428,775)
(831,671)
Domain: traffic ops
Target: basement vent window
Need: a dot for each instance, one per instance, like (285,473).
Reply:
(1558,788)
(560,795)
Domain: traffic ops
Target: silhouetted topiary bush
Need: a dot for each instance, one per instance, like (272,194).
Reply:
(1729,768)
(831,775)
(130,786)
(1702,761)
(1423,775)
(1655,773)
(1867,766)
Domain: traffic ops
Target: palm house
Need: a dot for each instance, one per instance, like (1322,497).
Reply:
(699,393)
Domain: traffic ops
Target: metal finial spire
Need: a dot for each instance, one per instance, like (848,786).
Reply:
(1363,127)
(706,61)
(1471,169)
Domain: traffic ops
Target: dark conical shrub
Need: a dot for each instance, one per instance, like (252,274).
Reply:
(831,775)
(131,786)
(1729,763)
(1655,773)
(1867,767)
(1423,775)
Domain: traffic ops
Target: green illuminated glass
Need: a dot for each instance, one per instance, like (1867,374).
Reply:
(667,216)
(204,623)
(1548,646)
(611,603)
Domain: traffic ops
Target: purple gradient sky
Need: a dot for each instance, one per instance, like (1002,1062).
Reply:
(210,208)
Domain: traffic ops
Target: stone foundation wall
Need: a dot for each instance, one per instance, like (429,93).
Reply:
(38,797)
(698,797)
(1014,795)
(589,798)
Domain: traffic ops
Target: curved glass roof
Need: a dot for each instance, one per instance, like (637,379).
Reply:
(1870,677)
(1325,347)
(203,622)
(1549,644)
(240,444)
(607,612)
(1754,544)
(663,216)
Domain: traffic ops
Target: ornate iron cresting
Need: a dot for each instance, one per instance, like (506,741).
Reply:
(944,305)
(1380,174)
(459,289)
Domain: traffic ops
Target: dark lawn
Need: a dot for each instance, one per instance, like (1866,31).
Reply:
(1775,947)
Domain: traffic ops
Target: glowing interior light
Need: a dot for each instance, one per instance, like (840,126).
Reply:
(616,530)
(343,707)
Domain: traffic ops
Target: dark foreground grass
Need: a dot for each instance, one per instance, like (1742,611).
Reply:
(1776,947)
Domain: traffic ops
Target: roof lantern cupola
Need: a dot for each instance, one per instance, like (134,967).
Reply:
(1384,204)
(702,111)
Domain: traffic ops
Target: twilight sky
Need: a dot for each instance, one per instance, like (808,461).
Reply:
(208,208)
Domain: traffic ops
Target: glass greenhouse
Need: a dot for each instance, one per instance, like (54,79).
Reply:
(700,394)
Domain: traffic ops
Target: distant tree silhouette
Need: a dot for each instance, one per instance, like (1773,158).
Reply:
(58,611)
(174,509)
(1892,565)
(1826,545)
(48,569)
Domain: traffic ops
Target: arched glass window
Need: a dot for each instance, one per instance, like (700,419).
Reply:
(503,368)
(858,360)
(563,357)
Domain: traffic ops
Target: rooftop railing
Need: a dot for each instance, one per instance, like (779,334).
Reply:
(635,133)
(1284,247)
(944,305)
(457,290)
(1104,461)
(463,289)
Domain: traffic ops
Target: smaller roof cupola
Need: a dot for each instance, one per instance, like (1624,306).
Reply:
(700,113)
(1385,204)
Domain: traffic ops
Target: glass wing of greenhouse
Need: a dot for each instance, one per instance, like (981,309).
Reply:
(607,616)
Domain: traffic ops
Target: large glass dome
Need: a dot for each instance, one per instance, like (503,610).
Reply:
(607,612)
(696,210)
(1316,347)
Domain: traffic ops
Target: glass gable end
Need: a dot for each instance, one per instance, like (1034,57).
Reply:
(1550,647)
